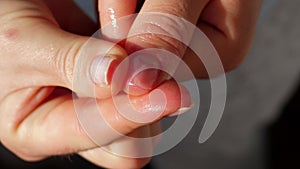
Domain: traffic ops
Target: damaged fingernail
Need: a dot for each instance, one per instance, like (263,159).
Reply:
(102,69)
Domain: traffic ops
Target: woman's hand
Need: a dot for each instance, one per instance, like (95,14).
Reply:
(37,115)
(229,24)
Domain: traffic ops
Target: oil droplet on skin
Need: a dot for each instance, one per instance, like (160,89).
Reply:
(113,19)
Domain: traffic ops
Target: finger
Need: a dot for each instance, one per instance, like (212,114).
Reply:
(128,151)
(162,25)
(105,159)
(52,127)
(230,29)
(189,10)
(36,129)
(139,143)
(136,144)
(110,12)
(57,58)
(134,111)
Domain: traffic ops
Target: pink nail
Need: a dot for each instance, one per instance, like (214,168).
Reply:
(102,69)
(144,74)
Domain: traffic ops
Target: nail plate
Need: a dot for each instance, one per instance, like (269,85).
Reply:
(181,111)
(101,68)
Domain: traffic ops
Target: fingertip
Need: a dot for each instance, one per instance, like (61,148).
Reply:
(166,99)
(144,82)
(176,95)
(110,11)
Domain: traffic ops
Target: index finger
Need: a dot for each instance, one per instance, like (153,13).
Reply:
(56,127)
(110,11)
(188,10)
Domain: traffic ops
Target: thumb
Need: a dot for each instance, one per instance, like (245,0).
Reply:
(36,49)
(82,65)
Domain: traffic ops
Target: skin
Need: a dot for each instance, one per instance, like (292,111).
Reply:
(229,24)
(40,43)
(37,116)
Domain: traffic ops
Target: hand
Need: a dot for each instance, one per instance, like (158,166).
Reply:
(37,116)
(229,24)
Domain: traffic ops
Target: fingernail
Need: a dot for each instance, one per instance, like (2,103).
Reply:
(186,102)
(102,69)
(144,81)
(181,111)
(144,74)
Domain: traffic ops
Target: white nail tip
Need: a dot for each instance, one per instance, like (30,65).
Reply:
(180,111)
(99,69)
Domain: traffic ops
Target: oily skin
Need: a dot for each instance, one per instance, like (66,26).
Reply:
(229,24)
(37,116)
(40,43)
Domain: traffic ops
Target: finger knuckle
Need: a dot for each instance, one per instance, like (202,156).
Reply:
(65,59)
(159,41)
(164,30)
